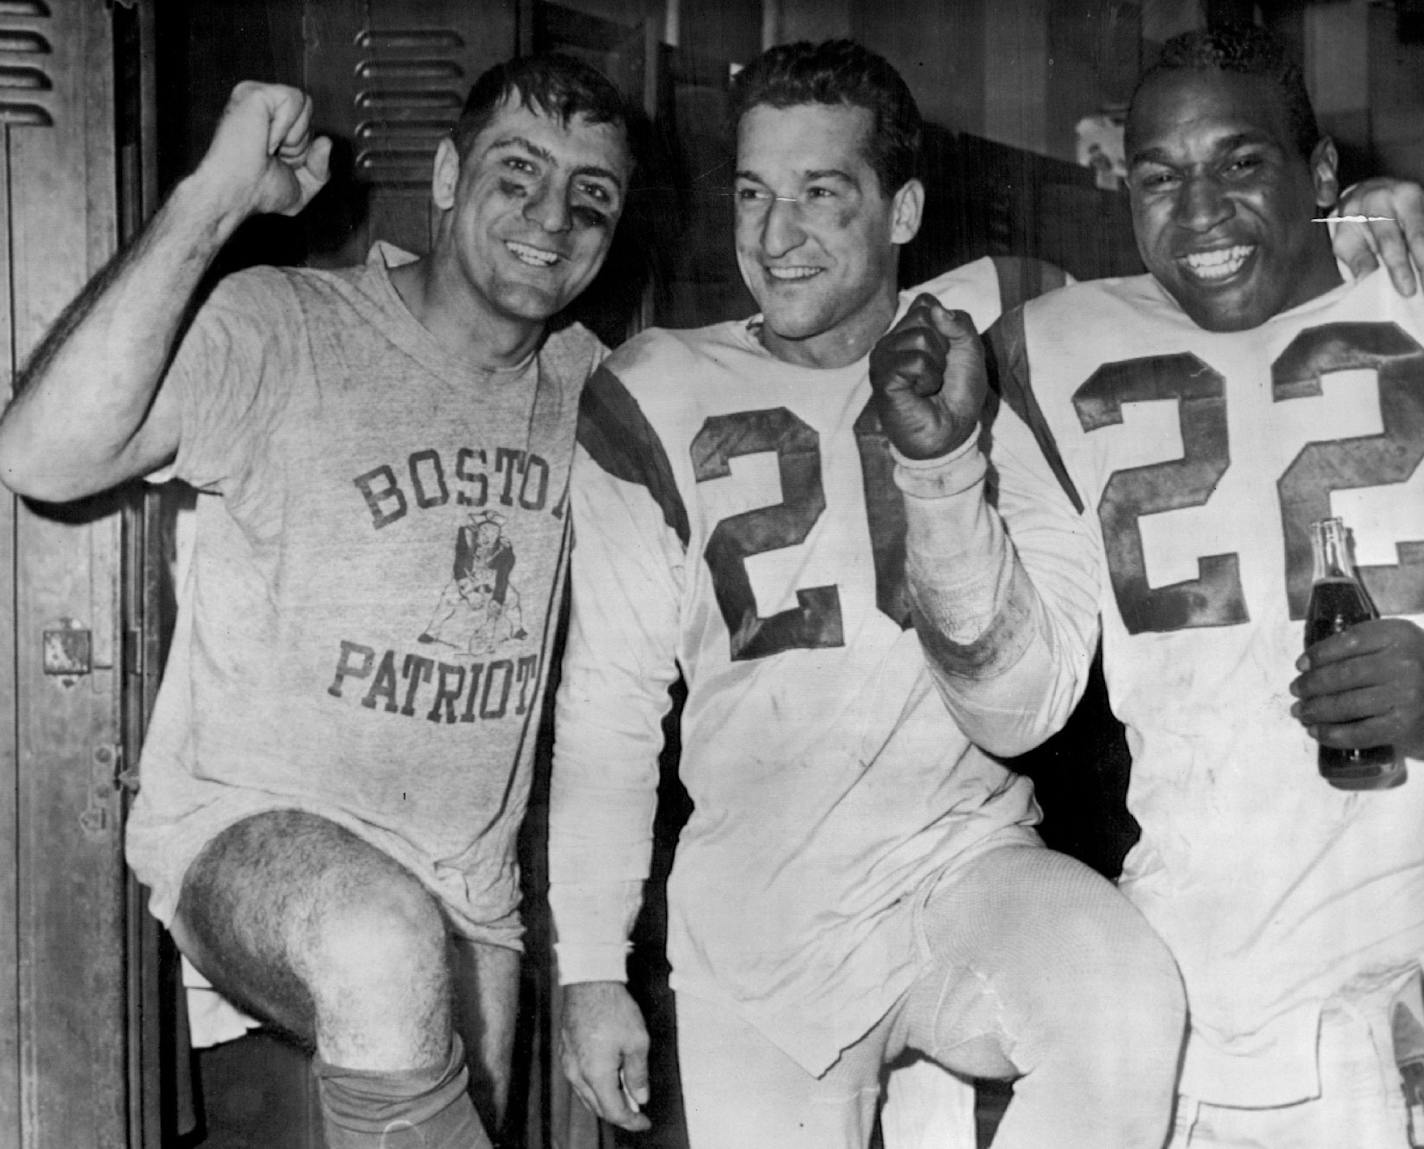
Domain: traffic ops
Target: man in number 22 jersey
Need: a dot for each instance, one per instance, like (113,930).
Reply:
(1199,418)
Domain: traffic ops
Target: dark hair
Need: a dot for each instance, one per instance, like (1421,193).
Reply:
(553,85)
(839,72)
(1249,51)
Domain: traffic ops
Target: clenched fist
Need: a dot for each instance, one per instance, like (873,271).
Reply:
(263,156)
(927,374)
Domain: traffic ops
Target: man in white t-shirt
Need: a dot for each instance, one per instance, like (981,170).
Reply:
(332,784)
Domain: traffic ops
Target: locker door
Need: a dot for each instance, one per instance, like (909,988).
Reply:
(388,79)
(61,898)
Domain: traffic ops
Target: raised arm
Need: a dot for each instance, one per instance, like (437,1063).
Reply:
(89,410)
(1003,571)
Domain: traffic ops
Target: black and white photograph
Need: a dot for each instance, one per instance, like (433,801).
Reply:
(712,574)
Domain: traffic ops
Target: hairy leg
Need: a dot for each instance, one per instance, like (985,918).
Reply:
(323,935)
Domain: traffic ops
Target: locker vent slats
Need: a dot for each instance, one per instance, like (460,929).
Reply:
(409,85)
(25,52)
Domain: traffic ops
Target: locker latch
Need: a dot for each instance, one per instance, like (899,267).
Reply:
(68,652)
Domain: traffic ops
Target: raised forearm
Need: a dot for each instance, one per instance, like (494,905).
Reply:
(1004,596)
(89,409)
(85,414)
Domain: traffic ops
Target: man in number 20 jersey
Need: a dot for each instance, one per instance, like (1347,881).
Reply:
(739,500)
(857,877)
(1200,418)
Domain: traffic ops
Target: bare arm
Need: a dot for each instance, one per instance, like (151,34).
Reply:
(89,409)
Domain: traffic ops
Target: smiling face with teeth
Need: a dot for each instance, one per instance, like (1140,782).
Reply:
(1223,198)
(817,237)
(527,216)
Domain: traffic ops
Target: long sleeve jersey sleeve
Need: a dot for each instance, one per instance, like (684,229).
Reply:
(619,664)
(1004,577)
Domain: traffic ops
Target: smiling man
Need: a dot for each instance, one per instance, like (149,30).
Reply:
(858,880)
(1200,418)
(331,794)
(1222,201)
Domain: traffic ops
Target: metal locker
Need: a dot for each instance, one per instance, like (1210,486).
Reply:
(388,79)
(62,1056)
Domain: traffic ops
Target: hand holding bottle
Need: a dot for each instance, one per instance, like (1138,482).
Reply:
(1361,695)
(1365,687)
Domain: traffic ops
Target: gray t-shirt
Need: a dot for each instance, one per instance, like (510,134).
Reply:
(364,625)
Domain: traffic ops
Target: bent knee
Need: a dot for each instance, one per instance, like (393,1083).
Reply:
(387,926)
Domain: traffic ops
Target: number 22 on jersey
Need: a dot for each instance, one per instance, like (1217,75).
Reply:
(1394,360)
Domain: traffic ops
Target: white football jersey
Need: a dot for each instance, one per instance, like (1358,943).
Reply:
(736,518)
(1201,460)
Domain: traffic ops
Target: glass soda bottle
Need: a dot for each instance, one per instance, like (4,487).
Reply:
(1337,602)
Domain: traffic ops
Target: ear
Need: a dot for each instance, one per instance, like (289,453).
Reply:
(446,175)
(1325,172)
(906,211)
